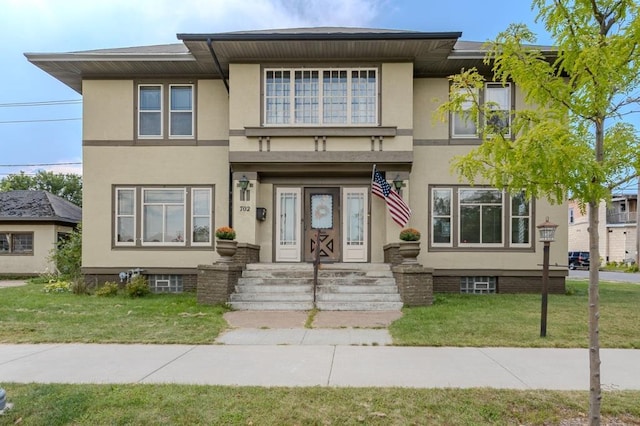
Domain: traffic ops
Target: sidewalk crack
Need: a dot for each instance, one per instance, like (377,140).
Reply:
(511,373)
(333,358)
(166,364)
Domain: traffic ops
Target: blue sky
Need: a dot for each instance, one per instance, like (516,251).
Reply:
(55,26)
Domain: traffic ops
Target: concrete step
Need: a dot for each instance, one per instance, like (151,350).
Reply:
(271,297)
(283,281)
(269,288)
(365,306)
(272,306)
(358,297)
(357,289)
(362,281)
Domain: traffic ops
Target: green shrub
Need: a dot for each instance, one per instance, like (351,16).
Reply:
(67,254)
(57,287)
(137,287)
(108,289)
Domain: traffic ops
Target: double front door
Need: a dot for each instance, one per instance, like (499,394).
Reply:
(328,222)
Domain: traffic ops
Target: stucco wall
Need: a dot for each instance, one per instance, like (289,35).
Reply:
(107,110)
(44,240)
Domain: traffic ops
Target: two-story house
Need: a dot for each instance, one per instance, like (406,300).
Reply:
(276,133)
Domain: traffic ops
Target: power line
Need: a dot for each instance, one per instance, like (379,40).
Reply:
(40,164)
(39,121)
(41,103)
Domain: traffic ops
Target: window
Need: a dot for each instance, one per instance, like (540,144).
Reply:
(479,217)
(166,283)
(498,101)
(520,220)
(151,111)
(478,285)
(464,123)
(321,97)
(16,243)
(168,216)
(201,211)
(125,216)
(441,216)
(571,216)
(496,97)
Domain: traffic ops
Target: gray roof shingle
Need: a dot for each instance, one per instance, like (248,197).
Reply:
(37,206)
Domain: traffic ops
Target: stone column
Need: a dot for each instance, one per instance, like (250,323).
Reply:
(415,284)
(216,282)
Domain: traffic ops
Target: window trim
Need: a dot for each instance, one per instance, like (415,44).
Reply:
(164,205)
(140,111)
(481,120)
(502,217)
(10,237)
(507,216)
(187,242)
(193,216)
(291,104)
(165,110)
(117,216)
(171,111)
(454,121)
(433,216)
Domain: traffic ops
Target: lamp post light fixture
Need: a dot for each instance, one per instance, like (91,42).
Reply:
(244,183)
(547,236)
(398,183)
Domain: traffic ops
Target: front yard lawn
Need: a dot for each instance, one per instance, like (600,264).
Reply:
(514,319)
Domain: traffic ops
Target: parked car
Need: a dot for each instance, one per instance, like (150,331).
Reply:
(578,259)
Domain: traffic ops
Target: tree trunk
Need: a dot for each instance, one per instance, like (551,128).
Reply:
(595,392)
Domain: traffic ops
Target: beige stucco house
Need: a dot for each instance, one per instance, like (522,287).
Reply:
(617,228)
(172,133)
(31,223)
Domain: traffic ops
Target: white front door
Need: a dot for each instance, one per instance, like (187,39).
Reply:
(355,224)
(288,211)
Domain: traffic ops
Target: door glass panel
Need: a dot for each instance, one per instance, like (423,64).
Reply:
(288,218)
(355,219)
(321,211)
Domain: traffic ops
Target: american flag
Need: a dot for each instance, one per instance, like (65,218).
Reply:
(398,209)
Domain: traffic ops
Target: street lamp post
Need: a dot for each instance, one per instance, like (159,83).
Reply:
(547,236)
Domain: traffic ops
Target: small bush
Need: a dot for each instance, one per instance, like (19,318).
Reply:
(79,286)
(138,287)
(57,287)
(108,289)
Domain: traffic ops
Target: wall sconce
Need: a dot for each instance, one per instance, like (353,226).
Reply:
(398,183)
(244,183)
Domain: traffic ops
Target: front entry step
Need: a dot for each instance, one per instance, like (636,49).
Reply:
(341,287)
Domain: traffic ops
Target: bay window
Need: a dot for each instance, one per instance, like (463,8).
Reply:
(321,97)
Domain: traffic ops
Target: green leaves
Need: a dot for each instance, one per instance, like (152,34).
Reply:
(64,185)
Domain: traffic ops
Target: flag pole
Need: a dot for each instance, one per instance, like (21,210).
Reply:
(373,172)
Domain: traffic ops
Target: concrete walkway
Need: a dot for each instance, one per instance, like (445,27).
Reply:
(317,365)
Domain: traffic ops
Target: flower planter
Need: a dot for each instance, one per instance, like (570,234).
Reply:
(409,250)
(226,249)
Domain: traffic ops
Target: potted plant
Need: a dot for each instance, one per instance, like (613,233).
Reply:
(409,245)
(226,245)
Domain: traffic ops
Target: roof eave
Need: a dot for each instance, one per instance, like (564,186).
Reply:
(407,35)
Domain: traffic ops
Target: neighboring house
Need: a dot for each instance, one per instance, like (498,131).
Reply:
(617,228)
(171,133)
(31,223)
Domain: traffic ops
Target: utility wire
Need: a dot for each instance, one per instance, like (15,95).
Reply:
(40,164)
(39,121)
(40,103)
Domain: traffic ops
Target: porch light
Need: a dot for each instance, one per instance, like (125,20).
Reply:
(397,183)
(547,231)
(547,236)
(244,183)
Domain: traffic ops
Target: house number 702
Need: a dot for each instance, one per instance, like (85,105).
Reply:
(245,208)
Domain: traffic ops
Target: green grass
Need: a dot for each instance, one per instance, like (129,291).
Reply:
(52,404)
(28,315)
(514,320)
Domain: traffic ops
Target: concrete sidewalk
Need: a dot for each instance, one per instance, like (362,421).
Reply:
(319,365)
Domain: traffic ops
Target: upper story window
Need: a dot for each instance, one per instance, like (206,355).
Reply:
(321,97)
(160,114)
(496,97)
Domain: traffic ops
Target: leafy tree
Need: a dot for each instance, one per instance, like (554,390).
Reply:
(67,255)
(65,185)
(573,139)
